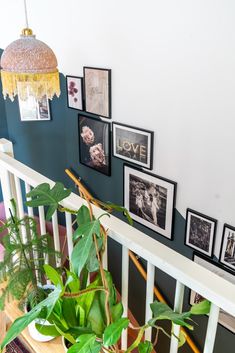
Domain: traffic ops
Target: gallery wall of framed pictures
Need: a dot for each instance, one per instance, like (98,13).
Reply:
(149,198)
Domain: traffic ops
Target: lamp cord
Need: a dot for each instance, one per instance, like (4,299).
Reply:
(26,14)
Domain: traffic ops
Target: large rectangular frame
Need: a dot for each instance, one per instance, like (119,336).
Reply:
(109,100)
(161,182)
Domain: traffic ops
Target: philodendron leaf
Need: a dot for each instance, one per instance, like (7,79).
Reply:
(145,347)
(116,311)
(22,322)
(83,215)
(201,308)
(53,275)
(162,311)
(47,330)
(86,344)
(82,249)
(80,253)
(113,332)
(43,195)
(92,227)
(121,209)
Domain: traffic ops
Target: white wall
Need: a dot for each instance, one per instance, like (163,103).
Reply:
(173,71)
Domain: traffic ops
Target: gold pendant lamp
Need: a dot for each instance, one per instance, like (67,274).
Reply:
(29,67)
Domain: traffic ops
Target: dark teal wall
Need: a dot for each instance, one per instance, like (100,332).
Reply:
(49,148)
(3,120)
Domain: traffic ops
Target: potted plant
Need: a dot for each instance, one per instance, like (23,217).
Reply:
(21,269)
(89,316)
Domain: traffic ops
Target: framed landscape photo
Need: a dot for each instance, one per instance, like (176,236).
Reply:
(227,251)
(74,87)
(133,145)
(94,144)
(225,319)
(97,88)
(150,200)
(200,232)
(32,109)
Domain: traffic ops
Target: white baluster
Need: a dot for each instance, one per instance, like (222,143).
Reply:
(125,286)
(211,329)
(69,232)
(56,235)
(149,298)
(20,207)
(30,209)
(105,256)
(179,298)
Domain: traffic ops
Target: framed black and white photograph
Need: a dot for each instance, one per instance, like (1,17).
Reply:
(32,109)
(225,319)
(200,232)
(94,144)
(150,200)
(133,145)
(227,251)
(97,90)
(74,87)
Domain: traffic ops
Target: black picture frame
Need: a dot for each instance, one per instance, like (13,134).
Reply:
(191,230)
(97,96)
(150,200)
(220,271)
(224,251)
(140,148)
(97,138)
(79,95)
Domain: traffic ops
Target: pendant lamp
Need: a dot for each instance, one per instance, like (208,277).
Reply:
(29,67)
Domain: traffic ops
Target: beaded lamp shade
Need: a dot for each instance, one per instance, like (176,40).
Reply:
(29,67)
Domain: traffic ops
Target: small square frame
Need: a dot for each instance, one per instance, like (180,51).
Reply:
(192,230)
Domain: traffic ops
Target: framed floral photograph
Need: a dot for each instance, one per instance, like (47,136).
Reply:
(74,87)
(97,91)
(94,144)
(227,251)
(150,200)
(225,319)
(200,232)
(133,144)
(32,109)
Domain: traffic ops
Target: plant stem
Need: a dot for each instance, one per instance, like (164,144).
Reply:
(138,339)
(82,292)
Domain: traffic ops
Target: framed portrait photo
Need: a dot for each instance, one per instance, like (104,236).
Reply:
(133,145)
(32,109)
(97,89)
(227,251)
(225,319)
(94,144)
(200,232)
(74,87)
(150,200)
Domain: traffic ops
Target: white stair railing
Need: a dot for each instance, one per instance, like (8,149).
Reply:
(220,292)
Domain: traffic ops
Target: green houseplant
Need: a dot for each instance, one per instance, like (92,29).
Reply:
(89,316)
(22,266)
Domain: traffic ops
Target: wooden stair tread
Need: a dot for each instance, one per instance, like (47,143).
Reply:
(12,312)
